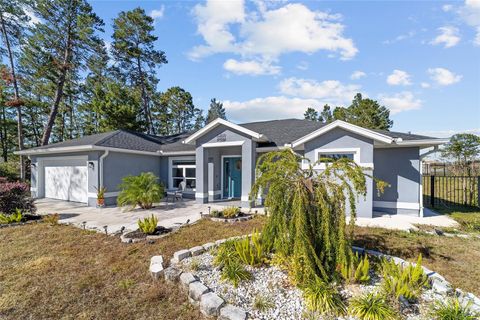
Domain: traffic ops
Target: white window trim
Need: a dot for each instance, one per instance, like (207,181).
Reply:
(356,157)
(221,175)
(170,167)
(397,205)
(223,144)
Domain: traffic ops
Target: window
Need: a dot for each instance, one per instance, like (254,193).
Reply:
(183,170)
(327,157)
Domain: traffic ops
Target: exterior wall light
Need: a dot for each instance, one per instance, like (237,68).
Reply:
(91,165)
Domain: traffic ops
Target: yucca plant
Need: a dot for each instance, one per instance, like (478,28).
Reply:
(356,269)
(225,253)
(452,309)
(148,225)
(371,306)
(142,190)
(15,217)
(235,272)
(403,281)
(323,298)
(250,250)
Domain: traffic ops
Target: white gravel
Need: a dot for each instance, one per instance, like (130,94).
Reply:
(271,283)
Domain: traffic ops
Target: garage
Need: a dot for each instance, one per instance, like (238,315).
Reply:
(66,180)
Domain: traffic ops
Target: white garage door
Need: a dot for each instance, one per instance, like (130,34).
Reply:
(66,183)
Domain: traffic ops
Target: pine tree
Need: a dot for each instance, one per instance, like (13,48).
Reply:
(177,111)
(216,110)
(59,45)
(133,50)
(326,115)
(311,114)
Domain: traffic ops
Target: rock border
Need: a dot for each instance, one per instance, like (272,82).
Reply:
(211,305)
(228,220)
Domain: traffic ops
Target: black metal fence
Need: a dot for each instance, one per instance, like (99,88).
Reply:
(450,191)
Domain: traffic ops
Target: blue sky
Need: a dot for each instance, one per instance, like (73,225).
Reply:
(272,60)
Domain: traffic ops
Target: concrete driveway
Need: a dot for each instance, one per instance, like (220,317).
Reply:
(168,214)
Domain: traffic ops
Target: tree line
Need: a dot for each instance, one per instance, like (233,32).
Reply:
(59,80)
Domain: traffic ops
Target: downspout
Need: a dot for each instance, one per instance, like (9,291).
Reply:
(102,157)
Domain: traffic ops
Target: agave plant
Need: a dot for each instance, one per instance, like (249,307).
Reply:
(142,190)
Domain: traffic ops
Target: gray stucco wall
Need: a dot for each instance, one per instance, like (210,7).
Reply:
(341,139)
(208,161)
(400,167)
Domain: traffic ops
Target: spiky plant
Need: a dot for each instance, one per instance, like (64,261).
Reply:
(231,212)
(323,298)
(308,210)
(235,272)
(453,309)
(148,225)
(371,306)
(356,270)
(250,250)
(15,217)
(142,190)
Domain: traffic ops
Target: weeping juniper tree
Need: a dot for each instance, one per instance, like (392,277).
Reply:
(307,223)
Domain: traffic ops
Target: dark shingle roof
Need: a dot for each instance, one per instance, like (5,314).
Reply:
(278,132)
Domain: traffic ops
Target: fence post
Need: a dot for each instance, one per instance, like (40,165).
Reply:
(432,191)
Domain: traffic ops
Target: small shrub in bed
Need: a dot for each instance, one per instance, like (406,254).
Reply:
(403,281)
(371,306)
(324,298)
(262,302)
(225,254)
(251,250)
(216,213)
(235,272)
(16,195)
(356,270)
(231,212)
(453,309)
(11,218)
(148,225)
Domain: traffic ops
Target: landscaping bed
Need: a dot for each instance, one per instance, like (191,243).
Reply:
(138,235)
(228,214)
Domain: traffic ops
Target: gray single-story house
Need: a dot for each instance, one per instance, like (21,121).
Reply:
(218,161)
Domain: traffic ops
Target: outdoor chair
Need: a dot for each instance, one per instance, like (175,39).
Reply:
(177,193)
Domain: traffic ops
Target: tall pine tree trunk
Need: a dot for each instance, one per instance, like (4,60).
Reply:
(146,109)
(16,96)
(59,90)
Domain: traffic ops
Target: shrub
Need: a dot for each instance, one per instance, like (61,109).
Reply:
(16,195)
(357,270)
(51,219)
(235,272)
(215,213)
(225,254)
(11,218)
(323,298)
(142,190)
(452,309)
(231,212)
(371,306)
(101,192)
(9,171)
(148,225)
(250,250)
(403,281)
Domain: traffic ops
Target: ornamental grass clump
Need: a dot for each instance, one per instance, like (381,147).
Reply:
(453,309)
(324,298)
(250,250)
(356,270)
(371,306)
(307,211)
(231,212)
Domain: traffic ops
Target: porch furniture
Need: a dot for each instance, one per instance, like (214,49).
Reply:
(177,193)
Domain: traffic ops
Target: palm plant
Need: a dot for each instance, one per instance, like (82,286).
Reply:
(307,209)
(371,306)
(142,190)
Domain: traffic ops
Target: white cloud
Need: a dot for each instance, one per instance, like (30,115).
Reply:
(266,33)
(447,7)
(357,75)
(448,37)
(425,85)
(399,78)
(399,102)
(331,91)
(259,109)
(303,65)
(443,77)
(401,37)
(157,13)
(470,14)
(250,67)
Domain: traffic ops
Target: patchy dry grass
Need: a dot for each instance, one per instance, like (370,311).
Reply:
(53,272)
(454,258)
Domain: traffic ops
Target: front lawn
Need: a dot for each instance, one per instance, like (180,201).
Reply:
(64,272)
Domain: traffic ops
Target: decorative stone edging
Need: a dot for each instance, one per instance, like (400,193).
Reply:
(437,281)
(211,305)
(229,220)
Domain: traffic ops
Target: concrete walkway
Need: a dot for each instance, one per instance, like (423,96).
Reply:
(175,214)
(169,215)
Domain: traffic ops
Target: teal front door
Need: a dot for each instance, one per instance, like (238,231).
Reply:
(232,177)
